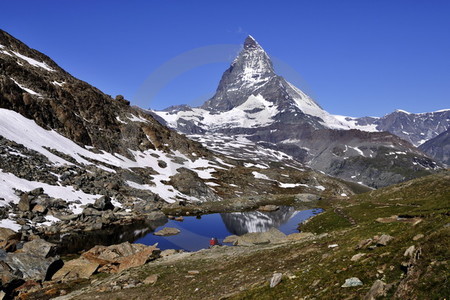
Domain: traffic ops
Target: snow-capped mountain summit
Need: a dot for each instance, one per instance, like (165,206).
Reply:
(254,104)
(251,70)
(251,95)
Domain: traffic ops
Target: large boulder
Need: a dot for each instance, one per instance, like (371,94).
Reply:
(24,203)
(116,258)
(30,266)
(103,203)
(40,247)
(8,239)
(75,269)
(187,182)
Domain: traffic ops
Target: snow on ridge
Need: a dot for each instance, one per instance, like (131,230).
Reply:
(135,118)
(29,91)
(33,62)
(240,116)
(402,111)
(351,123)
(308,106)
(58,83)
(260,176)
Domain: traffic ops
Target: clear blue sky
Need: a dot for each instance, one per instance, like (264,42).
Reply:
(355,58)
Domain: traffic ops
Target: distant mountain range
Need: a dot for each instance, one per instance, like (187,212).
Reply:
(255,106)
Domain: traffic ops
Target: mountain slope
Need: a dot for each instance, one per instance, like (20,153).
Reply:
(438,147)
(254,103)
(64,144)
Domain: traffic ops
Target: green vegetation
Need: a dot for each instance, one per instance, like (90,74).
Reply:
(311,268)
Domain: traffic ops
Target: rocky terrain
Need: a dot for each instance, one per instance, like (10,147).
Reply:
(386,244)
(255,111)
(77,163)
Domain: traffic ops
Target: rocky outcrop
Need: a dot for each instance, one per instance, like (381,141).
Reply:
(188,183)
(116,258)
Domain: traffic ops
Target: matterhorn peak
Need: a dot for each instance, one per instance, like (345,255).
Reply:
(251,43)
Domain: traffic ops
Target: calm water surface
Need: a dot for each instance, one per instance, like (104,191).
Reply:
(196,233)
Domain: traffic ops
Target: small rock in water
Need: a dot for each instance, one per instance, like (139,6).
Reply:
(276,279)
(353,281)
(179,219)
(167,231)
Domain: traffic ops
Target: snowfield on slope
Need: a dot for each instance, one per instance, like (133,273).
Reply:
(255,112)
(21,130)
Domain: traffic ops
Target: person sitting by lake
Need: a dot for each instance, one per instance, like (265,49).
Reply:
(213,242)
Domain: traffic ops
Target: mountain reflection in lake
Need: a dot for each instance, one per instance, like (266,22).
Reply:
(240,223)
(195,233)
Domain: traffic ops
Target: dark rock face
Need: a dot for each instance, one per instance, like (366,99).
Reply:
(74,108)
(188,183)
(438,147)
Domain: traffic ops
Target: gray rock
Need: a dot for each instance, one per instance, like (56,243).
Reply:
(30,266)
(357,257)
(410,251)
(378,289)
(7,234)
(103,203)
(351,282)
(37,192)
(276,279)
(384,240)
(188,183)
(40,247)
(24,203)
(157,216)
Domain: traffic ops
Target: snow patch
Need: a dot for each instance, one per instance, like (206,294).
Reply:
(29,91)
(34,62)
(260,176)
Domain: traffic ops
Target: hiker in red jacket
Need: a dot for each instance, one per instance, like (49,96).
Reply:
(213,242)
